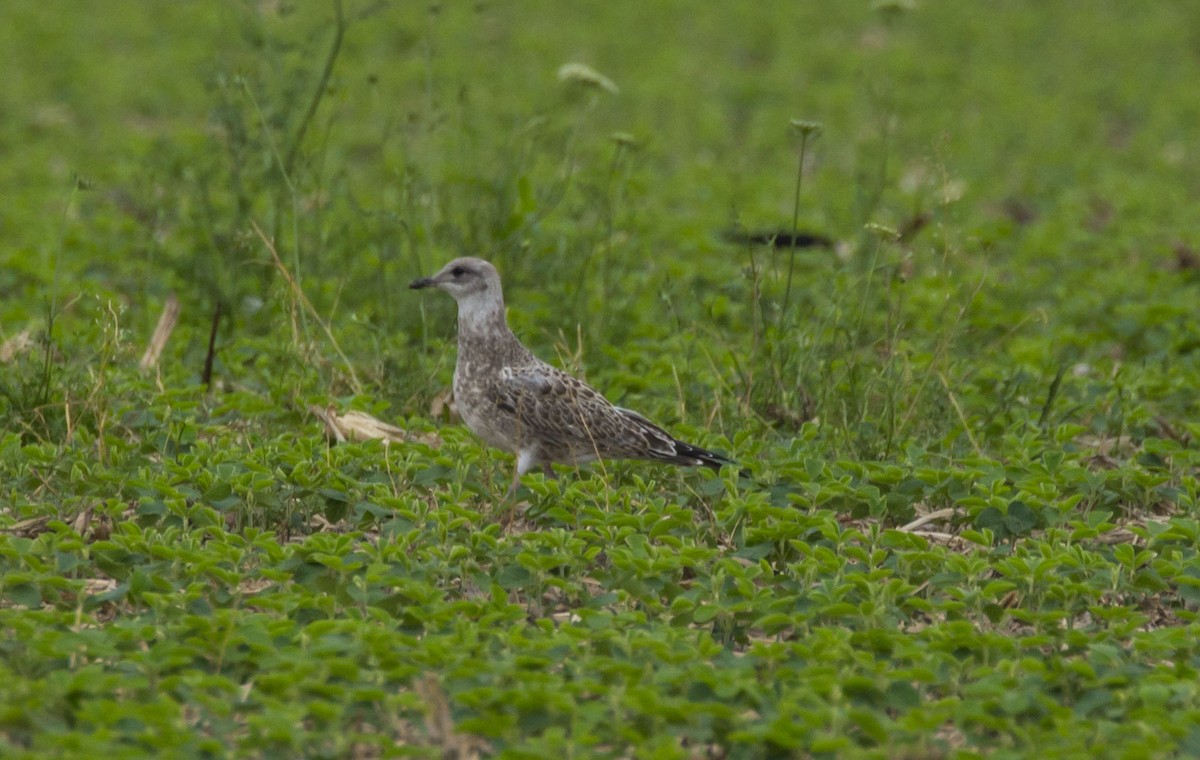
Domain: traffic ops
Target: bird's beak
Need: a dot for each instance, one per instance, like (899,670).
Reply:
(424,282)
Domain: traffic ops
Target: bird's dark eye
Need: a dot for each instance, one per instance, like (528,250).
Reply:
(458,271)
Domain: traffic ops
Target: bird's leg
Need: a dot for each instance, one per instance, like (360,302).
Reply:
(549,471)
(510,502)
(516,483)
(526,458)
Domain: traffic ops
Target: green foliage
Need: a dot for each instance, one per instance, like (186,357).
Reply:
(972,524)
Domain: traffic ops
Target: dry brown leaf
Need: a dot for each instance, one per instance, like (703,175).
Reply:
(94,586)
(15,346)
(439,723)
(162,333)
(1106,445)
(442,406)
(940,514)
(31,528)
(360,426)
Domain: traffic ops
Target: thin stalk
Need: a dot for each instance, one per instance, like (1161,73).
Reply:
(339,34)
(805,128)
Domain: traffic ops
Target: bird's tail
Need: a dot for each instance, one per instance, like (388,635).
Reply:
(705,458)
(664,447)
(688,454)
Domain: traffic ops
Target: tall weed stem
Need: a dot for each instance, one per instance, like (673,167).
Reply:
(806,129)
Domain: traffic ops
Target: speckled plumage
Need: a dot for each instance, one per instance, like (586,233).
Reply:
(518,403)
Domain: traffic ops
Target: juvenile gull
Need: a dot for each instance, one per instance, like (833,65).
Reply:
(520,404)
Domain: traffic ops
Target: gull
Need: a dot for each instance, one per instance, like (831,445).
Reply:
(520,404)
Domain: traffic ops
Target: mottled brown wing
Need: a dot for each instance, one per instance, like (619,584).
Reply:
(566,416)
(572,420)
(658,443)
(667,448)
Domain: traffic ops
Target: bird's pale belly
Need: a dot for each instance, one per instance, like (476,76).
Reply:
(484,419)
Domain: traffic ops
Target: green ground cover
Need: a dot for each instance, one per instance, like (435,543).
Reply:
(971,420)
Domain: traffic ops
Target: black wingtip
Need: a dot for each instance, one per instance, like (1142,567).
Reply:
(706,458)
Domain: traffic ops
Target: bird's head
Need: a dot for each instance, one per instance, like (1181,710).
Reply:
(467,279)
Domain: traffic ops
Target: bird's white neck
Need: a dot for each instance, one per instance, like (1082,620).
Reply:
(481,315)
